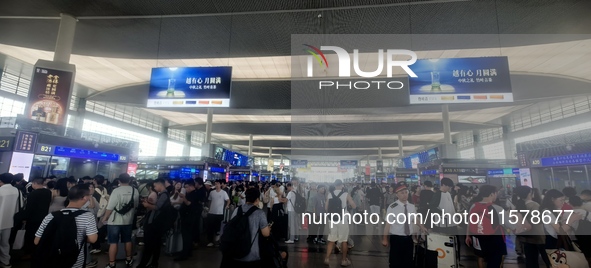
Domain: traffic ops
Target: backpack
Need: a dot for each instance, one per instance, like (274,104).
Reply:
(486,225)
(300,203)
(334,204)
(236,241)
(58,246)
(167,216)
(103,202)
(129,206)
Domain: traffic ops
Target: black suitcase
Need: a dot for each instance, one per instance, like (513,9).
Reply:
(424,258)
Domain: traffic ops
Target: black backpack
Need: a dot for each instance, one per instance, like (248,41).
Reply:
(167,215)
(58,246)
(129,206)
(334,204)
(236,240)
(300,203)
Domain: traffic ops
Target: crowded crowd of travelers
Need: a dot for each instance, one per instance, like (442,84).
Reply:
(253,223)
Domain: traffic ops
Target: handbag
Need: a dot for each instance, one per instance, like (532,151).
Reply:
(19,240)
(561,258)
(204,212)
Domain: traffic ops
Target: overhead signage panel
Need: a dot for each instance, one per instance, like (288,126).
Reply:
(564,160)
(350,164)
(461,80)
(190,87)
(82,153)
(299,163)
(25,142)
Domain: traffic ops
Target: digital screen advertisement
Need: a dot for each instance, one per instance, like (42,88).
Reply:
(21,163)
(299,163)
(461,80)
(190,87)
(49,95)
(472,179)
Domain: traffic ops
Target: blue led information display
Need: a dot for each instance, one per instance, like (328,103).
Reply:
(573,159)
(88,154)
(414,160)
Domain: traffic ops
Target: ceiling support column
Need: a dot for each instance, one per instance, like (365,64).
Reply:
(65,39)
(446,125)
(250,142)
(379,153)
(400,146)
(209,125)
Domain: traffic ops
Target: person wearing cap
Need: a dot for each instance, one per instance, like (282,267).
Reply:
(442,203)
(398,235)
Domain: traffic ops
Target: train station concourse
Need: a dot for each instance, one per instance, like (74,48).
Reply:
(154,126)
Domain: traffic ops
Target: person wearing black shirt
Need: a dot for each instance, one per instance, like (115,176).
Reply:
(188,213)
(201,193)
(36,209)
(169,187)
(426,196)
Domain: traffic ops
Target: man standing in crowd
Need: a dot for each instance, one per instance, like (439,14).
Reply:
(10,204)
(219,201)
(120,223)
(85,223)
(257,223)
(339,233)
(37,207)
(310,208)
(491,246)
(201,193)
(399,235)
(156,225)
(188,212)
(375,199)
(291,214)
(426,195)
(441,203)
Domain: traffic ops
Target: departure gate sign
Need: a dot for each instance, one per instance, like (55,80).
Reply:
(190,87)
(461,80)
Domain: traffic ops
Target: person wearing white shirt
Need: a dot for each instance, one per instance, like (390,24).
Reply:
(9,205)
(399,234)
(291,214)
(339,231)
(586,197)
(219,200)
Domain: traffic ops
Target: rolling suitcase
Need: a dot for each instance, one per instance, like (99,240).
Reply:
(444,247)
(174,243)
(423,257)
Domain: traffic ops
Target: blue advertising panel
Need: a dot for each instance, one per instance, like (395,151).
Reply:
(299,163)
(82,153)
(190,87)
(349,163)
(565,160)
(461,80)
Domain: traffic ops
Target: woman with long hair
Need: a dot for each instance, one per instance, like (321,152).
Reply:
(551,205)
(534,240)
(175,198)
(59,195)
